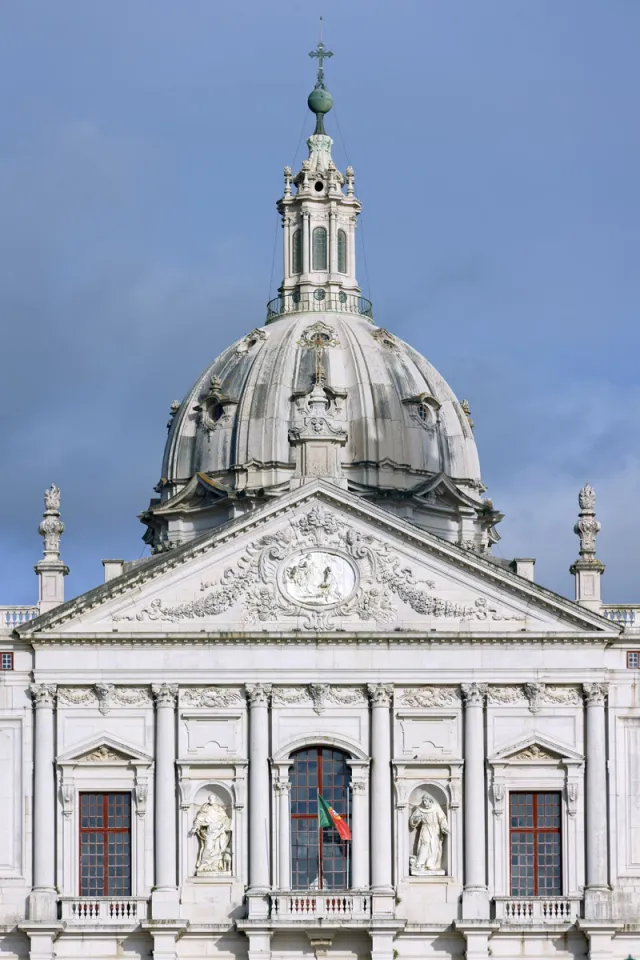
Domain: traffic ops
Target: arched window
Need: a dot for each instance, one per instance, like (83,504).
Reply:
(342,251)
(319,248)
(319,863)
(296,252)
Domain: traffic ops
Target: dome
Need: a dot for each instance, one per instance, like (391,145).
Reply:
(326,394)
(320,391)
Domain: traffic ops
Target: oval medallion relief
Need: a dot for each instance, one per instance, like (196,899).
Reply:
(318,578)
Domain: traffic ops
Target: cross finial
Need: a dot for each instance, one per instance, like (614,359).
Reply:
(320,54)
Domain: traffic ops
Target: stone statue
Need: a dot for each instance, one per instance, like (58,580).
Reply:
(430,822)
(212,827)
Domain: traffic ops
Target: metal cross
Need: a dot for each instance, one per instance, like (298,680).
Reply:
(320,54)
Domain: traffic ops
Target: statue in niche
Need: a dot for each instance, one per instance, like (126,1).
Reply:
(212,827)
(430,823)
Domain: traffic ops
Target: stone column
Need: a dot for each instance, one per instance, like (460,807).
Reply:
(42,901)
(283,788)
(597,890)
(164,901)
(258,696)
(475,902)
(381,824)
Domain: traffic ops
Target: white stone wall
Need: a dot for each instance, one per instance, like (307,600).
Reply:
(534,731)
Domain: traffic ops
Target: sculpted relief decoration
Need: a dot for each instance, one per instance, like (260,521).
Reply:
(317,569)
(320,695)
(104,696)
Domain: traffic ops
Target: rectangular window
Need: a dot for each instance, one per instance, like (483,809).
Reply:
(105,845)
(633,659)
(536,869)
(6,661)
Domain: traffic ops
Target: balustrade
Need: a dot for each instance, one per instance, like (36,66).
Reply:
(537,909)
(90,910)
(316,905)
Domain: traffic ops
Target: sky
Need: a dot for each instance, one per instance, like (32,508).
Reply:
(496,146)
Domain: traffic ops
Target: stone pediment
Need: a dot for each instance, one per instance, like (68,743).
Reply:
(104,750)
(319,559)
(536,748)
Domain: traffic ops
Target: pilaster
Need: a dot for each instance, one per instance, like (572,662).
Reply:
(359,824)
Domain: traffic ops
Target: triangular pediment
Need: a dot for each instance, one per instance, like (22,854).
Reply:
(536,748)
(319,559)
(103,750)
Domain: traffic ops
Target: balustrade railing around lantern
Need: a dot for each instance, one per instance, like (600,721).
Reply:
(626,614)
(527,910)
(14,616)
(309,905)
(96,910)
(312,303)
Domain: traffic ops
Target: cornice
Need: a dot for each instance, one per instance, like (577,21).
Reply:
(375,516)
(310,638)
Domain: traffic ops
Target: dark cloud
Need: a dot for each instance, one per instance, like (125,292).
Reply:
(141,159)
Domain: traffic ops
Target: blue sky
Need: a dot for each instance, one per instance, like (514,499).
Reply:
(496,146)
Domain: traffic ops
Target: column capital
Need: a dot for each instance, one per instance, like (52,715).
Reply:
(380,694)
(474,694)
(165,694)
(359,787)
(282,787)
(595,693)
(43,694)
(258,694)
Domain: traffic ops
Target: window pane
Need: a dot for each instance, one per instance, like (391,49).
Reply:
(536,860)
(342,251)
(319,248)
(105,844)
(326,867)
(296,252)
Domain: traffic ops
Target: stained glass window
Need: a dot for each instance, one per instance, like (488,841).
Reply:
(105,844)
(319,863)
(319,248)
(536,867)
(296,252)
(342,251)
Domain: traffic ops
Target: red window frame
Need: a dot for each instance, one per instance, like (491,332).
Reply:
(535,843)
(324,771)
(6,660)
(104,867)
(633,659)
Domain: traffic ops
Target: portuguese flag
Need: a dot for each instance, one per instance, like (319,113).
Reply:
(327,817)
